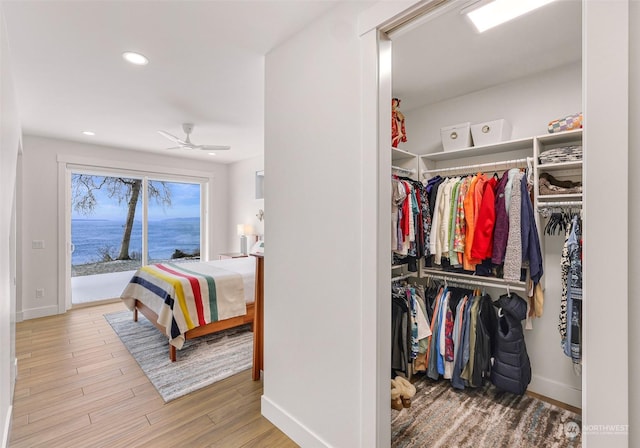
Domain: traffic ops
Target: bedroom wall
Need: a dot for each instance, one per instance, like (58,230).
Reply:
(528,104)
(243,205)
(40,209)
(9,144)
(313,291)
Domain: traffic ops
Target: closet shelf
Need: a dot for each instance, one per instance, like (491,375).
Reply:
(551,197)
(491,282)
(561,138)
(577,164)
(398,266)
(401,154)
(511,145)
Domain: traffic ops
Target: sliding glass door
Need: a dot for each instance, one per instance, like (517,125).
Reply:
(121,222)
(173,226)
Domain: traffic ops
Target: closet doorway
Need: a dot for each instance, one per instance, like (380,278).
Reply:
(445,73)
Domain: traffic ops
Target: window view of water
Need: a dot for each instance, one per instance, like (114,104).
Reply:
(95,238)
(98,222)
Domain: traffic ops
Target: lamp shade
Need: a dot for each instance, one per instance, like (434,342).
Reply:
(244,229)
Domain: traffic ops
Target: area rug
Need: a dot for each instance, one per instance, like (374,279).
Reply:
(441,416)
(201,361)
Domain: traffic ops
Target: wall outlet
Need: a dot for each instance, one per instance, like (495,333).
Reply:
(37,244)
(39,293)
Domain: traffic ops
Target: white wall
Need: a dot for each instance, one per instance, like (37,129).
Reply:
(303,393)
(634,223)
(243,205)
(39,214)
(528,104)
(605,330)
(9,141)
(313,292)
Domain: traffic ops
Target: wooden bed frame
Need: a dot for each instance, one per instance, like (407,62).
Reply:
(212,327)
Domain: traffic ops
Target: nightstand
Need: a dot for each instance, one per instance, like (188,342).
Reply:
(232,255)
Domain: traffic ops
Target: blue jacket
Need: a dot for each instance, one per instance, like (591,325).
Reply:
(530,242)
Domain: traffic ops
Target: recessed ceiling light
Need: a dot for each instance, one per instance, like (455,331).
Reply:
(497,12)
(135,58)
(88,133)
(212,153)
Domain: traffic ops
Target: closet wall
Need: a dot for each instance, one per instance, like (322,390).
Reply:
(528,104)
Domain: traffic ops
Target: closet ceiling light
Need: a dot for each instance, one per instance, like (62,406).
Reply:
(212,153)
(135,58)
(89,133)
(498,12)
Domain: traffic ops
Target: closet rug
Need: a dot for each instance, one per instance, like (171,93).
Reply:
(441,416)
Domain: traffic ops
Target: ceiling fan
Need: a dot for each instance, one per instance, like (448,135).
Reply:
(187,144)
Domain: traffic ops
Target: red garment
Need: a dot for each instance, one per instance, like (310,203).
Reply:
(448,336)
(406,209)
(398,133)
(483,236)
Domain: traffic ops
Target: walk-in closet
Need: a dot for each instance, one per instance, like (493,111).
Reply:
(487,229)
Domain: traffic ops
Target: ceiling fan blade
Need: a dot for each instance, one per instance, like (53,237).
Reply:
(213,147)
(173,138)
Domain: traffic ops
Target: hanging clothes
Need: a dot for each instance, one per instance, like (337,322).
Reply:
(410,327)
(410,221)
(483,226)
(461,344)
(511,367)
(571,302)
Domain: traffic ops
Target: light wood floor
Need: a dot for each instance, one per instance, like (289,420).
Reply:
(78,386)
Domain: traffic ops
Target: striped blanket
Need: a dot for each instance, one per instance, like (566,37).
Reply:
(186,296)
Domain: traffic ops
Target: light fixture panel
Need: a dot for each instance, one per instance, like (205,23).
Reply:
(135,58)
(497,12)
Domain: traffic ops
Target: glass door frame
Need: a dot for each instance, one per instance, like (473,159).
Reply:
(68,165)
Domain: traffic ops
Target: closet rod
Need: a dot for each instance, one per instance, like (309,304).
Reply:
(401,277)
(466,281)
(495,165)
(559,204)
(404,170)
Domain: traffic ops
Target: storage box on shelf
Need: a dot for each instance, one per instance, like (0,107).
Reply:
(456,136)
(490,132)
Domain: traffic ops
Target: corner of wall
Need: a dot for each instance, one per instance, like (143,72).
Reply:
(294,429)
(7,428)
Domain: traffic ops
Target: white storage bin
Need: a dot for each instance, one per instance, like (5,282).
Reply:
(491,132)
(457,136)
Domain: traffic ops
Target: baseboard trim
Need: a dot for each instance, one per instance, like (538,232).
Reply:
(295,430)
(556,391)
(7,427)
(34,313)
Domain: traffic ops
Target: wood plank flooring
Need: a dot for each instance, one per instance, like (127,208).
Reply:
(78,386)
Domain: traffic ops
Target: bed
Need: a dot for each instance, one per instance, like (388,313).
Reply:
(188,300)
